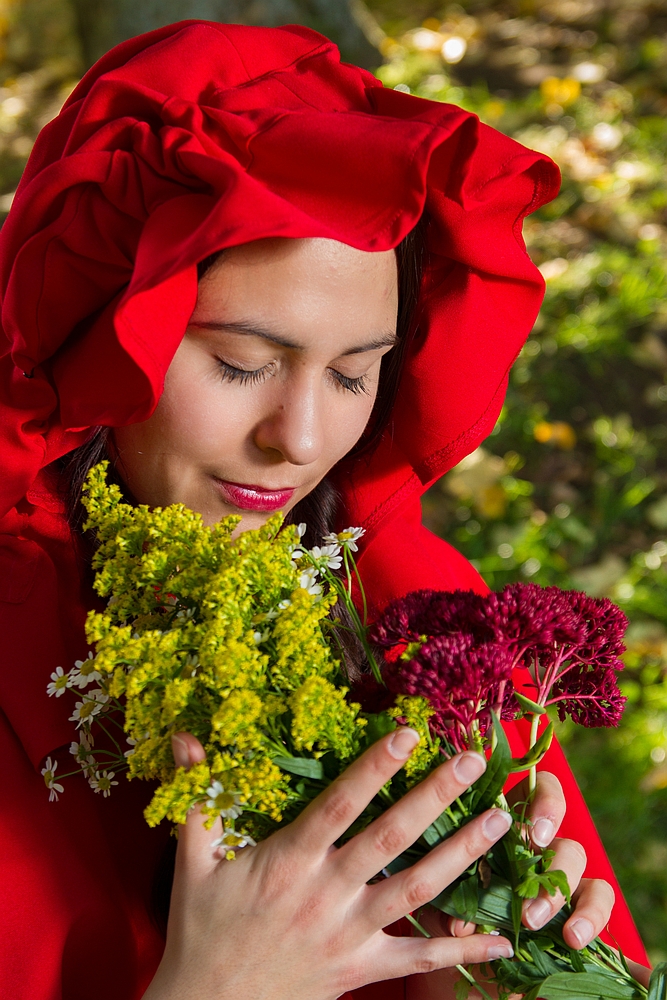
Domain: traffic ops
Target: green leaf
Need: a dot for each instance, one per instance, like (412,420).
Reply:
(584,985)
(494,905)
(461,989)
(486,789)
(556,879)
(465,898)
(544,963)
(438,830)
(377,726)
(657,986)
(577,961)
(307,767)
(536,753)
(529,888)
(529,706)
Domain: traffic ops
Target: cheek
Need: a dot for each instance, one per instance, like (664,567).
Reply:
(345,424)
(195,424)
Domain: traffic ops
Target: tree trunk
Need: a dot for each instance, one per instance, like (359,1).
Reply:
(104,23)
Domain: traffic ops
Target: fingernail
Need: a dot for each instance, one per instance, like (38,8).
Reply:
(543,833)
(499,951)
(460,928)
(469,766)
(496,824)
(180,750)
(583,931)
(537,914)
(403,743)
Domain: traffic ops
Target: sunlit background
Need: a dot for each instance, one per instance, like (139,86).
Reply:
(571,486)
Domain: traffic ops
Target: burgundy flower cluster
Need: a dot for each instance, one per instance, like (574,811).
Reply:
(461,649)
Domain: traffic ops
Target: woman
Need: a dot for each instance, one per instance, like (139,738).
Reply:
(196,139)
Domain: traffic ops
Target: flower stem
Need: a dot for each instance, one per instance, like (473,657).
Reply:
(532,776)
(473,982)
(415,923)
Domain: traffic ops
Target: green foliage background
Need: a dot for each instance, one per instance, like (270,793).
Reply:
(571,487)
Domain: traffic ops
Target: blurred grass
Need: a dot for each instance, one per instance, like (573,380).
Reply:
(571,487)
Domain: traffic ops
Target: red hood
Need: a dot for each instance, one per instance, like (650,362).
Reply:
(201,136)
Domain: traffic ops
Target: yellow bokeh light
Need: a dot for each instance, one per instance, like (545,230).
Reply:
(559,433)
(562,92)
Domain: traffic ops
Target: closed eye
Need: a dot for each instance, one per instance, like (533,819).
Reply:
(229,373)
(355,385)
(254,376)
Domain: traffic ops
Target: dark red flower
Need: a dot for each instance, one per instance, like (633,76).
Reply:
(589,697)
(469,644)
(461,678)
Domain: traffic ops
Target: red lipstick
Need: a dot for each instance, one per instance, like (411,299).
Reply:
(253,497)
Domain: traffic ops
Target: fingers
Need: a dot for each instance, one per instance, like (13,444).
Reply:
(194,840)
(393,832)
(187,750)
(546,810)
(395,957)
(327,818)
(640,972)
(570,858)
(439,924)
(593,902)
(408,890)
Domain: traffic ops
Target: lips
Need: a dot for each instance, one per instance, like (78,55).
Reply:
(253,497)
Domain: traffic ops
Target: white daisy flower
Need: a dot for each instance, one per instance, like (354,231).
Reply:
(48,773)
(301,529)
(228,804)
(267,617)
(232,841)
(85,672)
(92,705)
(307,581)
(281,606)
(259,637)
(348,538)
(81,753)
(86,739)
(133,743)
(98,695)
(60,681)
(192,661)
(329,555)
(102,782)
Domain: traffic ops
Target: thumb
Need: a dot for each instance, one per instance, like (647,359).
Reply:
(187,750)
(194,839)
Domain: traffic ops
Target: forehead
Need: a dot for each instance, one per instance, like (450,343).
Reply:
(302,288)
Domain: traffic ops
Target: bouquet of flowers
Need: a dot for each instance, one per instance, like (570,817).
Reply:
(237,641)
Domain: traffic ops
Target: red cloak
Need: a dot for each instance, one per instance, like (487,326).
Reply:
(176,144)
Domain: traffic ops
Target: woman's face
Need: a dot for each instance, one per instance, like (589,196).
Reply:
(273,383)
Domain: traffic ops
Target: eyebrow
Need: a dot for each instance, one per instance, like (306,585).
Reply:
(388,339)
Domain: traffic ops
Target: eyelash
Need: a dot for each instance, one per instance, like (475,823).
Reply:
(229,373)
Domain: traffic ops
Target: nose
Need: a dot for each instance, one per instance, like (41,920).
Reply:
(293,426)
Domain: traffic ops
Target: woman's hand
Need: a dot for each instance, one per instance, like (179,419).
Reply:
(592,899)
(294,918)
